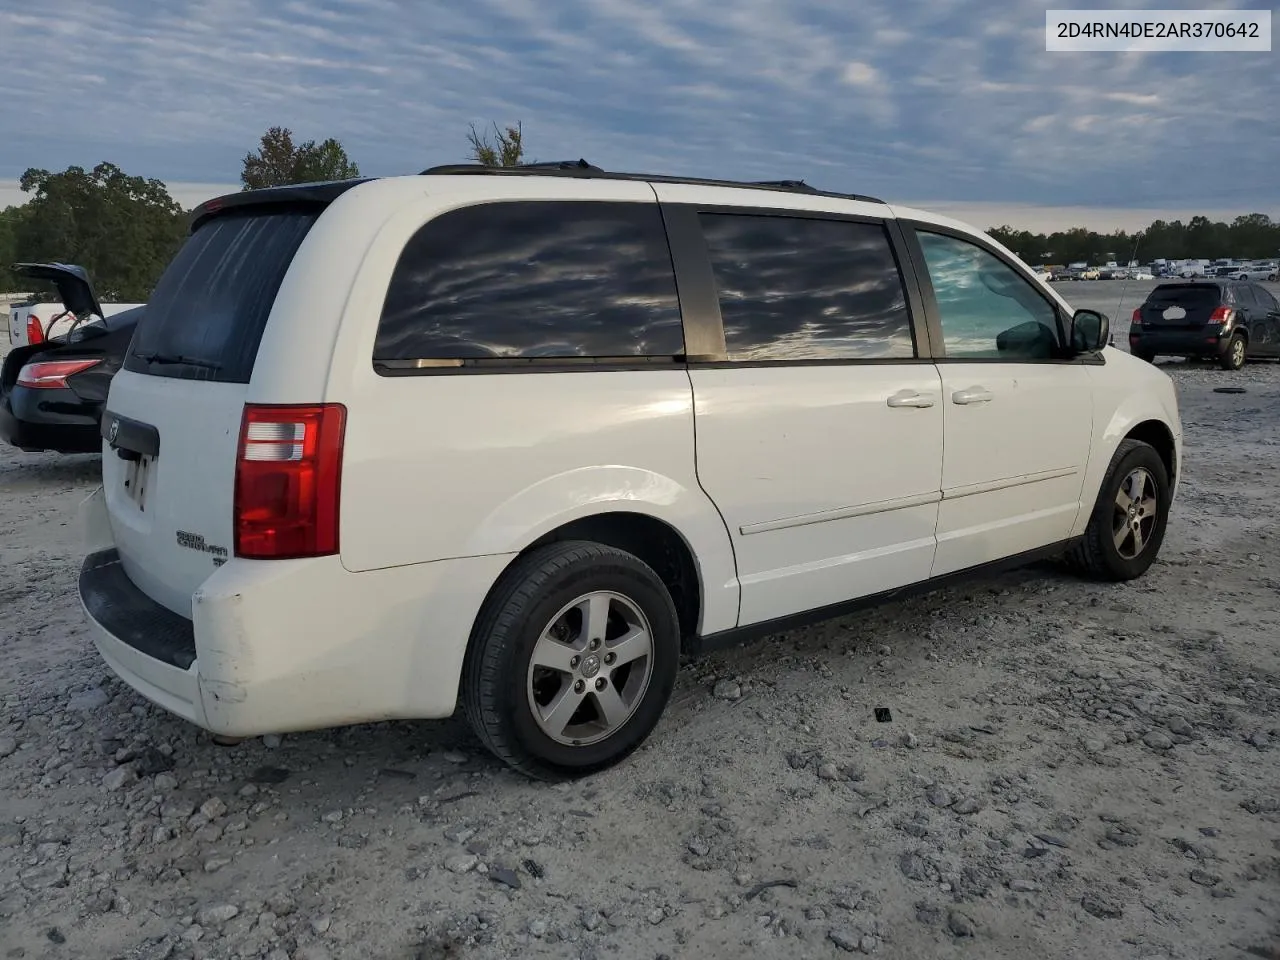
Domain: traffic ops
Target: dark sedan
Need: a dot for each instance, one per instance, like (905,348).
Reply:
(52,394)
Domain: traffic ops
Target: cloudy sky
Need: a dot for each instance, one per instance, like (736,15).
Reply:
(957,106)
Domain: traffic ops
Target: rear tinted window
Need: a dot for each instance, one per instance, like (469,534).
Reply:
(792,288)
(526,279)
(205,319)
(1186,295)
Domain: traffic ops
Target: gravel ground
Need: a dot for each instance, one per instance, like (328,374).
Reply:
(1070,769)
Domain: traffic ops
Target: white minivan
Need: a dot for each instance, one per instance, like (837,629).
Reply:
(518,439)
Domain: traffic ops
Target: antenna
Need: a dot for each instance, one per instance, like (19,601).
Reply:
(1133,258)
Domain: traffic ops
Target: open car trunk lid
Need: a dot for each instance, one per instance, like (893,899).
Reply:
(72,281)
(172,422)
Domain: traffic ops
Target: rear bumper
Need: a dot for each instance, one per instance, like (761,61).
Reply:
(49,420)
(1193,343)
(289,645)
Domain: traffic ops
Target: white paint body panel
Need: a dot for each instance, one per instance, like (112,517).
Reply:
(189,487)
(828,492)
(20,313)
(1014,465)
(793,488)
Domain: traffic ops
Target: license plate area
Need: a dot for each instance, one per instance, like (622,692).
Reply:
(138,474)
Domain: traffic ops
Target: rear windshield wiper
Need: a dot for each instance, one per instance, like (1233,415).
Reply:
(177,358)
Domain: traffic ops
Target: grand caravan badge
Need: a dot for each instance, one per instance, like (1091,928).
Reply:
(195,541)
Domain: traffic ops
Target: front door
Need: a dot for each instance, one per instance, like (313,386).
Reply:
(819,435)
(1018,419)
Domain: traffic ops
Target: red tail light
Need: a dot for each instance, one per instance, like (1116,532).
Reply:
(1222,315)
(288,479)
(1137,316)
(35,332)
(52,375)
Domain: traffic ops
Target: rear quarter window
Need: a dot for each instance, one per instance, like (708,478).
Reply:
(522,280)
(1186,295)
(206,317)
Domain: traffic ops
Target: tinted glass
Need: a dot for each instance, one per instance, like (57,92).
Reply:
(212,302)
(534,279)
(1265,299)
(799,289)
(987,309)
(1186,295)
(1244,295)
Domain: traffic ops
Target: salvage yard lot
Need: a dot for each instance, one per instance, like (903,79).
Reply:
(1071,769)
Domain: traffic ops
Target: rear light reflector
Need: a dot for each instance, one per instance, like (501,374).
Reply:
(288,481)
(35,332)
(52,375)
(1136,319)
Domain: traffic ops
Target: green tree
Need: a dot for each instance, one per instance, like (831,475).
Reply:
(122,229)
(1252,236)
(280,161)
(10,218)
(505,150)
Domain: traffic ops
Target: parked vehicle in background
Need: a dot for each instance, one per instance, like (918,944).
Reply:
(1256,271)
(1141,274)
(1089,273)
(52,394)
(37,322)
(1225,320)
(1192,268)
(661,396)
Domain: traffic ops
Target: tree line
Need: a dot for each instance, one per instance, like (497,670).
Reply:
(1254,236)
(124,229)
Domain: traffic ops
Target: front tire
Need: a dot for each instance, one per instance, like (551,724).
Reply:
(572,660)
(1129,518)
(1233,357)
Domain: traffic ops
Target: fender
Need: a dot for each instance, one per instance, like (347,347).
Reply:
(1127,392)
(590,491)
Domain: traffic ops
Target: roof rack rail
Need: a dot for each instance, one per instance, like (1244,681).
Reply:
(581,168)
(545,166)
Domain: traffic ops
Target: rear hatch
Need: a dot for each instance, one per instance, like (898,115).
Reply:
(174,412)
(1180,306)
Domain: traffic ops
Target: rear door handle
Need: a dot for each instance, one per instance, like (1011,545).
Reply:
(973,395)
(909,398)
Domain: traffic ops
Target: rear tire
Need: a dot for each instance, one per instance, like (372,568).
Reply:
(545,685)
(1233,357)
(1129,518)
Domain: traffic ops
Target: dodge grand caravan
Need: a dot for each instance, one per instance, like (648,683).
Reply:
(519,439)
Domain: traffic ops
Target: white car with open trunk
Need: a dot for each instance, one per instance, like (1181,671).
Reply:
(519,439)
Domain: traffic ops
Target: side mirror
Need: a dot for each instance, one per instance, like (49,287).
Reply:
(1090,331)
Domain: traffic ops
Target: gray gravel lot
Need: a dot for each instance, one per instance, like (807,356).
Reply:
(1071,770)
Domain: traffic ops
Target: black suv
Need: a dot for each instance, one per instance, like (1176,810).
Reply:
(1226,320)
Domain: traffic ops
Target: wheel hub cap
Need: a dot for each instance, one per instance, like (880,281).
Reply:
(1136,513)
(590,668)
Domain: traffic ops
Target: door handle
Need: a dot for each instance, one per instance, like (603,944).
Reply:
(973,395)
(909,398)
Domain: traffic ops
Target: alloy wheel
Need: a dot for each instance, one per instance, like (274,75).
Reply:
(590,668)
(1136,512)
